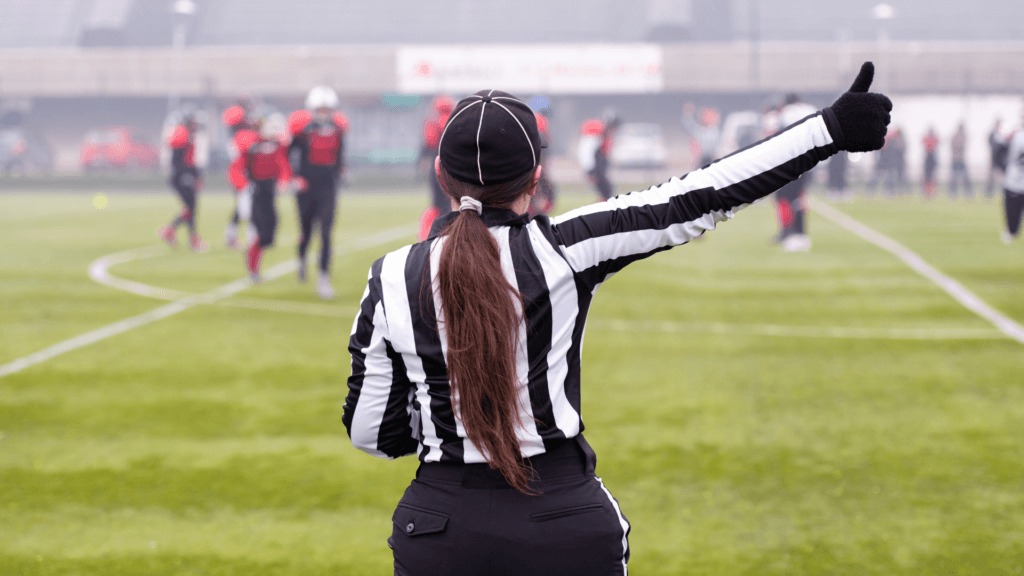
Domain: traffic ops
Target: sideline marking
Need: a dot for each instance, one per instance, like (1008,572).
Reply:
(182,304)
(864,333)
(961,294)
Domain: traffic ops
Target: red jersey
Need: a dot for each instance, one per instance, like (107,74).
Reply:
(319,144)
(262,160)
(931,143)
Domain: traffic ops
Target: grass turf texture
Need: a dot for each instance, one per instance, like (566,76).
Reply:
(210,442)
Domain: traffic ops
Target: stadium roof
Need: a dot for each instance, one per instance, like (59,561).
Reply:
(55,23)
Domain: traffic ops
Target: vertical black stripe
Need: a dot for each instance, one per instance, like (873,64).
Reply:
(428,348)
(361,339)
(584,296)
(537,315)
(395,435)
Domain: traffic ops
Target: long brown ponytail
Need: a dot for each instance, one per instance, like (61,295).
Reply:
(482,325)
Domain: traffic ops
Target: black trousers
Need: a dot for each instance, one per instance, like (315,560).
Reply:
(317,204)
(599,177)
(465,520)
(1013,203)
(187,194)
(264,213)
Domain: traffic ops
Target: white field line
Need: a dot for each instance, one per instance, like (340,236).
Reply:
(183,304)
(725,328)
(98,272)
(961,294)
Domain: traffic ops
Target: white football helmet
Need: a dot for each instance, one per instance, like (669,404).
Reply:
(321,97)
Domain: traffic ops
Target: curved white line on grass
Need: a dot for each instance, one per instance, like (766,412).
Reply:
(98,271)
(725,328)
(962,295)
(185,303)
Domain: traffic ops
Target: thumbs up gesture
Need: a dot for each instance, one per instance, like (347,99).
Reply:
(862,115)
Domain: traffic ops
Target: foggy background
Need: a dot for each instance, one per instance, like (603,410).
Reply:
(71,66)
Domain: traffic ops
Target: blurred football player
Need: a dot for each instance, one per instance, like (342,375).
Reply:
(790,199)
(240,126)
(186,180)
(543,202)
(433,128)
(595,146)
(317,155)
(260,167)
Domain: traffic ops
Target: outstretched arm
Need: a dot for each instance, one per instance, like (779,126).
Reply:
(600,239)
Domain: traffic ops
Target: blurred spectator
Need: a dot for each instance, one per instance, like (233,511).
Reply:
(958,176)
(837,184)
(891,164)
(899,157)
(931,162)
(1013,186)
(998,148)
(704,130)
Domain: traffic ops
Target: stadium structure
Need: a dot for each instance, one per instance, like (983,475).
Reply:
(69,65)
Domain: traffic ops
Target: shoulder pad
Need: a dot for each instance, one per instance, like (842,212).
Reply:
(542,124)
(298,121)
(592,128)
(341,121)
(178,137)
(233,116)
(244,139)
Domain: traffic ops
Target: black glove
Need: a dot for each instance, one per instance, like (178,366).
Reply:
(862,116)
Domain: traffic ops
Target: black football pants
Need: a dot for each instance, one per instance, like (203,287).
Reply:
(464,519)
(264,213)
(317,204)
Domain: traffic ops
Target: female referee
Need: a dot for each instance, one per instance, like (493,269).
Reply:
(466,348)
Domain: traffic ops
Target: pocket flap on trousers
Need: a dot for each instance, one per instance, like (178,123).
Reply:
(565,512)
(414,521)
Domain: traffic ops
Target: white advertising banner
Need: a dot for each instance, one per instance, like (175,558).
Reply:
(550,69)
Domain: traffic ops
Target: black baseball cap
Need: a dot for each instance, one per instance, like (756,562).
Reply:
(491,138)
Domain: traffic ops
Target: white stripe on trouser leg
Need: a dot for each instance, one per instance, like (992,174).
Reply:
(622,522)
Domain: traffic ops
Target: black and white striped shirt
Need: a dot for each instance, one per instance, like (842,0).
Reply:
(399,399)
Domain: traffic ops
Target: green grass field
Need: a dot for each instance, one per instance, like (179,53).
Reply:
(210,442)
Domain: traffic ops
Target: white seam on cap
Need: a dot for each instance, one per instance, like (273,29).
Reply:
(489,93)
(525,133)
(449,123)
(479,167)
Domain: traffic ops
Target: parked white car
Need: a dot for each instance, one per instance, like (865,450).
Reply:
(639,145)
